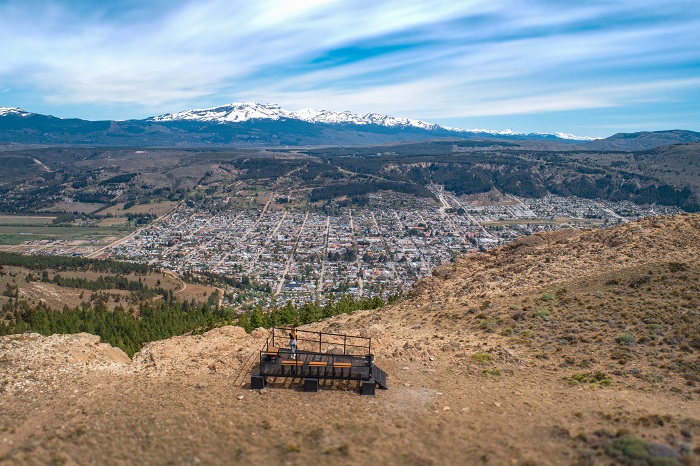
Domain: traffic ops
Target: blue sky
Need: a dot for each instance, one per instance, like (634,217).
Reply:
(586,67)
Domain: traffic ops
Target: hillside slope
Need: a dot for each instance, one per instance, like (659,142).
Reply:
(573,347)
(643,140)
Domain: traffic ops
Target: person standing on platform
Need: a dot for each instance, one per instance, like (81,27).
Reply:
(293,342)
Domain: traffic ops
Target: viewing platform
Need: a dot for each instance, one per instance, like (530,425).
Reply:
(319,356)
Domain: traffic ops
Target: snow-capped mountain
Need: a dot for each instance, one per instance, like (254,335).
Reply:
(252,124)
(238,112)
(510,132)
(329,117)
(4,111)
(244,111)
(233,113)
(573,137)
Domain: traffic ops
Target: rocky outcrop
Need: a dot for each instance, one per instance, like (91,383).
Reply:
(222,351)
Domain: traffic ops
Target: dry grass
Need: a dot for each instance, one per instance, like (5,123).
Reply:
(157,209)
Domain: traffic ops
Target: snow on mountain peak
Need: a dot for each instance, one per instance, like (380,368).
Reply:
(238,112)
(244,111)
(327,116)
(561,135)
(13,111)
(495,132)
(510,132)
(233,113)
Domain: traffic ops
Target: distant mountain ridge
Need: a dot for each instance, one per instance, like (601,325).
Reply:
(644,140)
(254,124)
(244,111)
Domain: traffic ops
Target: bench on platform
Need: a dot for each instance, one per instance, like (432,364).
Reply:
(291,363)
(272,353)
(318,365)
(342,366)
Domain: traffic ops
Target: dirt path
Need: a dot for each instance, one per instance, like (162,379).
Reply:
(175,276)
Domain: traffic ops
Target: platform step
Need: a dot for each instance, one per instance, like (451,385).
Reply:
(379,377)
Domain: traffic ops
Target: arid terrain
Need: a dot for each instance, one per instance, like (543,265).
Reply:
(572,347)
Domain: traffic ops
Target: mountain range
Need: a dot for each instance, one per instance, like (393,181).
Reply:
(250,123)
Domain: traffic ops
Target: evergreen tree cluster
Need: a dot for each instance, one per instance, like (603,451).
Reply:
(292,316)
(109,282)
(129,329)
(67,263)
(357,190)
(126,329)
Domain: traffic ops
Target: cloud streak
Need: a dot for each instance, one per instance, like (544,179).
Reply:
(448,60)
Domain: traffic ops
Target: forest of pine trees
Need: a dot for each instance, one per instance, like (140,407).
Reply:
(129,329)
(66,263)
(293,316)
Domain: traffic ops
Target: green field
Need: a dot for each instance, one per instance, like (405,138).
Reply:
(17,234)
(82,207)
(22,220)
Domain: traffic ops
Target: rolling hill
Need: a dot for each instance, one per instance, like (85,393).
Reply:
(572,347)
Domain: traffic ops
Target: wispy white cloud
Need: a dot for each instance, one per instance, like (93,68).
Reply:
(439,99)
(449,59)
(191,51)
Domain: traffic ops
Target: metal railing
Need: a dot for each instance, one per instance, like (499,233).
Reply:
(318,355)
(320,342)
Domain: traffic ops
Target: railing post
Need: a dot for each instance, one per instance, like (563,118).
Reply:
(273,336)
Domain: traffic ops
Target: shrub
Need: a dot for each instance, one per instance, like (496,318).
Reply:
(625,339)
(632,450)
(494,372)
(591,378)
(548,296)
(542,314)
(677,267)
(482,358)
(488,324)
(639,281)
